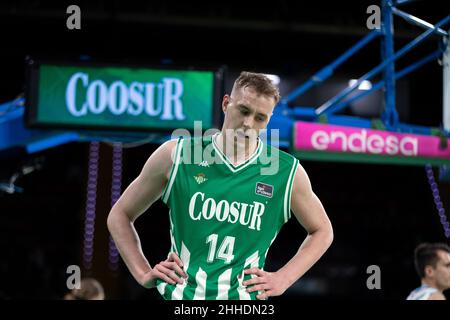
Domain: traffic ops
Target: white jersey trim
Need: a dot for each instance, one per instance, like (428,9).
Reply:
(173,172)
(288,192)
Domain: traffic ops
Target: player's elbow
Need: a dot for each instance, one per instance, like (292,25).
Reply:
(323,233)
(111,221)
(116,217)
(326,233)
(329,234)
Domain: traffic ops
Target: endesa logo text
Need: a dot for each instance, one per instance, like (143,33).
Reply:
(311,136)
(364,142)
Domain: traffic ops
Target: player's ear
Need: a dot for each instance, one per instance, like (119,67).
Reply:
(429,271)
(225,102)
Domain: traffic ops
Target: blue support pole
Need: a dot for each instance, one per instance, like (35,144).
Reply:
(402,2)
(51,141)
(446,83)
(302,113)
(419,22)
(329,106)
(327,71)
(348,121)
(415,129)
(389,115)
(432,56)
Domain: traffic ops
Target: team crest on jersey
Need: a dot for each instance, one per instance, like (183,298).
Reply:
(200,178)
(263,189)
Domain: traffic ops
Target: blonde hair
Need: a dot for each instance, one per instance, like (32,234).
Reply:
(259,82)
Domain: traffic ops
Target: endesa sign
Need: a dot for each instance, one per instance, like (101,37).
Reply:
(352,143)
(112,97)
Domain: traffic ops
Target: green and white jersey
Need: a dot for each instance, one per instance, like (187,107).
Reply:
(224,217)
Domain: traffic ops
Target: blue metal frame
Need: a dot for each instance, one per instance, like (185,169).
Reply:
(390,121)
(13,133)
(418,22)
(432,56)
(402,2)
(329,106)
(390,115)
(326,72)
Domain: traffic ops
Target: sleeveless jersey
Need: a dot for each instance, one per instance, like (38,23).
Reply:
(421,293)
(223,217)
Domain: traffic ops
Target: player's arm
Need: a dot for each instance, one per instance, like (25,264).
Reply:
(309,211)
(135,200)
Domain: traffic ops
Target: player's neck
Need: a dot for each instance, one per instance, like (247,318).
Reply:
(430,283)
(237,150)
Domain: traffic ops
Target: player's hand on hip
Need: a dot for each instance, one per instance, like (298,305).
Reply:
(268,284)
(169,270)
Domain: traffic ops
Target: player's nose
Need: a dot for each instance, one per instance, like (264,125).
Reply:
(248,122)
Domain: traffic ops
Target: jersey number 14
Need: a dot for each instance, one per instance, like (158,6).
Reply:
(225,251)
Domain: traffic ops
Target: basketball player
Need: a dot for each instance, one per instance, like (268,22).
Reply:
(225,210)
(432,262)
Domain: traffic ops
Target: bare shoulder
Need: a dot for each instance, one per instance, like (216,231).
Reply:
(168,148)
(150,183)
(301,182)
(437,296)
(161,160)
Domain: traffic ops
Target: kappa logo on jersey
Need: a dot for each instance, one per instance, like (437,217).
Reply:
(263,189)
(200,178)
(204,163)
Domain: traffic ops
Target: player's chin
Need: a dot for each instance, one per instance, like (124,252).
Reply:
(241,135)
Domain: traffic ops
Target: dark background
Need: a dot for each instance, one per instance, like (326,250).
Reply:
(379,212)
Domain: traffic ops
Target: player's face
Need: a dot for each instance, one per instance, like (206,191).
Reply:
(442,270)
(247,112)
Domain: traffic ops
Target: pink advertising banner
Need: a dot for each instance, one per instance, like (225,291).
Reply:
(333,138)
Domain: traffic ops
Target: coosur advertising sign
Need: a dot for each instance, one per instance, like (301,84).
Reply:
(99,97)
